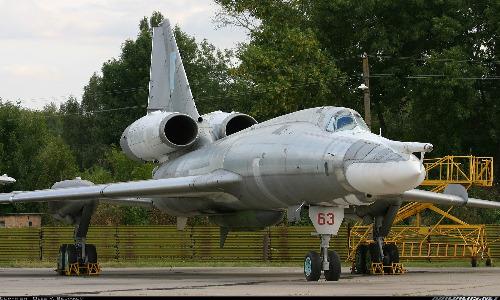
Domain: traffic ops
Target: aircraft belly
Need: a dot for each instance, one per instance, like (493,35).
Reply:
(214,204)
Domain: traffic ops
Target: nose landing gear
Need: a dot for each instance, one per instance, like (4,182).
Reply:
(326,221)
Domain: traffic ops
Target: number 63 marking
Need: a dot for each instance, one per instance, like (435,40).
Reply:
(325,218)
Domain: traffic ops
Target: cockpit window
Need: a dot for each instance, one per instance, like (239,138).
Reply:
(346,121)
(331,125)
(361,122)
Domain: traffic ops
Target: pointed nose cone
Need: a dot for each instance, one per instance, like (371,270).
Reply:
(385,174)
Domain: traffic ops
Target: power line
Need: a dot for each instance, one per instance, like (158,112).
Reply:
(258,90)
(254,91)
(423,76)
(442,59)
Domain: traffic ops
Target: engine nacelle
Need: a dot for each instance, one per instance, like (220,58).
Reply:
(154,136)
(70,211)
(223,124)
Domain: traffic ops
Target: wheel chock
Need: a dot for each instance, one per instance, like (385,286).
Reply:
(76,269)
(377,269)
(397,269)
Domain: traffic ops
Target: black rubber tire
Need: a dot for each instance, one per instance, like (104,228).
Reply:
(488,262)
(391,250)
(61,259)
(374,251)
(91,253)
(334,261)
(473,262)
(72,254)
(312,266)
(360,258)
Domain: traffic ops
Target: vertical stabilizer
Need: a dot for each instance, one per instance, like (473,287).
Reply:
(168,86)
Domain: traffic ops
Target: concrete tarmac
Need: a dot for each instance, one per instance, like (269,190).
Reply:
(255,281)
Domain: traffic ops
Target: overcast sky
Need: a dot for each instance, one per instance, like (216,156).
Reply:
(50,48)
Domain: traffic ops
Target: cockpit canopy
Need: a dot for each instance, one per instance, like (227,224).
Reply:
(346,120)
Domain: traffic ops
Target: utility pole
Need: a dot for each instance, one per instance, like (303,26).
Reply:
(366,90)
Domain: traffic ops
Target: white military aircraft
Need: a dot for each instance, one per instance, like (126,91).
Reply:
(246,176)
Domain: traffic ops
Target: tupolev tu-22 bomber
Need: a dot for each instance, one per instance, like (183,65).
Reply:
(246,175)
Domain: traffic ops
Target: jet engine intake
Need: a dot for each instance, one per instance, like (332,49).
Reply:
(224,124)
(154,136)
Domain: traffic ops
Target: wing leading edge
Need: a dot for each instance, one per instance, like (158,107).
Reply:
(130,192)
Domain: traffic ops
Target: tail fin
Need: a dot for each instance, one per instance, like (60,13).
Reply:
(168,86)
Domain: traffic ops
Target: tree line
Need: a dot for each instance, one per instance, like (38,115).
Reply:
(435,74)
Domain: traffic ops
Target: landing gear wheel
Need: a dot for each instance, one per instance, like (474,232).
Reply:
(334,261)
(374,253)
(473,262)
(360,260)
(391,251)
(488,262)
(312,266)
(71,254)
(91,253)
(371,257)
(67,255)
(61,260)
(391,255)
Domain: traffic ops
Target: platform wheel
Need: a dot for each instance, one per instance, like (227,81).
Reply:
(312,266)
(333,274)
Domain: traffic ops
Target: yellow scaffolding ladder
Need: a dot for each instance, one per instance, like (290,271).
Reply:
(438,241)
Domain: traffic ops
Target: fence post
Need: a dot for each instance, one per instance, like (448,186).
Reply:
(117,242)
(192,243)
(266,246)
(40,242)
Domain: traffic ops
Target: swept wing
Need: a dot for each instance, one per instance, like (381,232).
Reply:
(134,191)
(454,195)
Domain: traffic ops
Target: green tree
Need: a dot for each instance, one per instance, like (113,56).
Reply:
(32,152)
(54,162)
(455,42)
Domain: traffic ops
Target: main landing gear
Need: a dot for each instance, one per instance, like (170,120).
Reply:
(79,258)
(368,257)
(377,256)
(326,221)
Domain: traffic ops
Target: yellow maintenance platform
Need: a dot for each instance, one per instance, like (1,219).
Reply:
(457,240)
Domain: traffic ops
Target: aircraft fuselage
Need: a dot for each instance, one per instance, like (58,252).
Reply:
(283,162)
